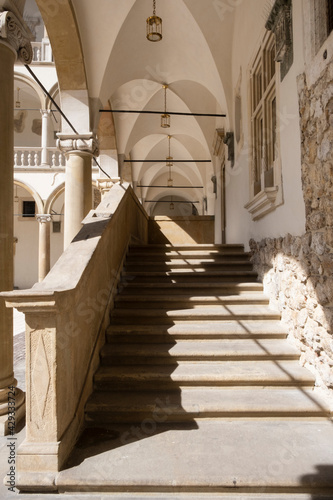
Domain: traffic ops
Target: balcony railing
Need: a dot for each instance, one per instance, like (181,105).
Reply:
(32,157)
(42,51)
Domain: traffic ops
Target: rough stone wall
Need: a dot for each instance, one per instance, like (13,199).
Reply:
(297,271)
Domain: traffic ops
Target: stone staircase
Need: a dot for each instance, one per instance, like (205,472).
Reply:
(198,392)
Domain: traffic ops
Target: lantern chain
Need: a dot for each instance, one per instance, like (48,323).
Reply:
(154,7)
(165,100)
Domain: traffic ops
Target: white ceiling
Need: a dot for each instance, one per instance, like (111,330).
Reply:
(126,70)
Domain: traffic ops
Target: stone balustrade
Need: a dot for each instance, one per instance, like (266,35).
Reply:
(32,157)
(66,317)
(42,52)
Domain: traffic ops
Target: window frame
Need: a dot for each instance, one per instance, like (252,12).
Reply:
(265,190)
(22,216)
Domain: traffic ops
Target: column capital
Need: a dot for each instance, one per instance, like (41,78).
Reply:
(16,33)
(43,218)
(45,112)
(78,143)
(104,185)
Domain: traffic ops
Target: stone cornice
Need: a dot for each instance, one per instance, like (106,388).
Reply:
(17,35)
(280,23)
(80,143)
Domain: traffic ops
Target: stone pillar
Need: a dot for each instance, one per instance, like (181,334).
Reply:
(14,42)
(45,125)
(44,245)
(79,150)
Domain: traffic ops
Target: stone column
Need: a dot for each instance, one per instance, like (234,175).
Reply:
(79,150)
(45,125)
(14,42)
(44,245)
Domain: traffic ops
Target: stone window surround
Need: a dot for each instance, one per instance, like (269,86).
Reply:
(268,198)
(314,53)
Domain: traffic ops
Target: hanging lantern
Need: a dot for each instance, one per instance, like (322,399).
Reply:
(18,102)
(154,26)
(172,205)
(165,118)
(169,163)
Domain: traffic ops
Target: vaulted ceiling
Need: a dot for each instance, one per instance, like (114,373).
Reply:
(102,47)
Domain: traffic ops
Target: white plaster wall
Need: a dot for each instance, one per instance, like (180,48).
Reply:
(46,73)
(26,248)
(289,217)
(57,239)
(44,183)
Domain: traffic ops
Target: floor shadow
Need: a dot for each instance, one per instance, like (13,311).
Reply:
(321,481)
(136,373)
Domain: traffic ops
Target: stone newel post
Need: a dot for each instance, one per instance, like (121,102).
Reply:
(79,151)
(14,42)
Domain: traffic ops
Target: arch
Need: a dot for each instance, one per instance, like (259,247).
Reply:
(31,83)
(34,194)
(53,197)
(60,22)
(151,205)
(56,193)
(53,91)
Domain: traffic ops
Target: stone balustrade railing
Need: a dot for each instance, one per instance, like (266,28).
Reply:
(42,51)
(32,157)
(66,317)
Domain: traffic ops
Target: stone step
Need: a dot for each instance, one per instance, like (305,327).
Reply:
(192,403)
(154,248)
(203,350)
(192,289)
(177,496)
(187,254)
(195,313)
(231,329)
(183,266)
(186,276)
(234,457)
(196,374)
(180,301)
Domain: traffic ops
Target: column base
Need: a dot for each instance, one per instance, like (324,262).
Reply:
(9,421)
(37,467)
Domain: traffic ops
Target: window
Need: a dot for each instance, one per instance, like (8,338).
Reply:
(329,8)
(263,117)
(322,12)
(265,168)
(56,226)
(28,208)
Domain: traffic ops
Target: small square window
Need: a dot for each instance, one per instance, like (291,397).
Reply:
(28,208)
(56,226)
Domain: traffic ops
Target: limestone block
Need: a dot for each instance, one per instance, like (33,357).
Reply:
(302,317)
(318,243)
